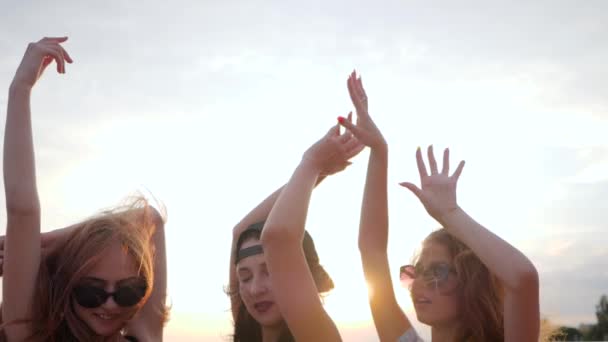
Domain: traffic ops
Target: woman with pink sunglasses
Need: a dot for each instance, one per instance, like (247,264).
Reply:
(467,283)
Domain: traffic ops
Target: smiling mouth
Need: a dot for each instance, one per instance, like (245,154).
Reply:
(419,301)
(264,306)
(105,317)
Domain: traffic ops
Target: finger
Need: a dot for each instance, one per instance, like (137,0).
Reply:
(362,93)
(351,91)
(334,131)
(420,163)
(356,149)
(345,137)
(55,52)
(350,116)
(446,162)
(349,126)
(432,161)
(54,39)
(350,145)
(413,188)
(66,55)
(458,171)
(355,94)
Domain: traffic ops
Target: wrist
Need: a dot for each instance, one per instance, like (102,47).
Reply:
(19,87)
(448,215)
(310,165)
(380,149)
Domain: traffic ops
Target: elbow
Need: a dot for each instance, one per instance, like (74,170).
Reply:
(22,205)
(275,235)
(527,279)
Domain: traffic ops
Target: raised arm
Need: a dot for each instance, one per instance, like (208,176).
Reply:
(149,323)
(258,214)
(22,246)
(517,274)
(389,319)
(283,233)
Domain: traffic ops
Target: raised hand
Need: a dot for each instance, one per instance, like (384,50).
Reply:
(37,57)
(365,129)
(438,190)
(331,153)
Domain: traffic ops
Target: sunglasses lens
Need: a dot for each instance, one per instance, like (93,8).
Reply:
(129,295)
(441,272)
(407,274)
(89,296)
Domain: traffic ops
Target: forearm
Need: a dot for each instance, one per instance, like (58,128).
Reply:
(511,266)
(288,216)
(19,167)
(373,229)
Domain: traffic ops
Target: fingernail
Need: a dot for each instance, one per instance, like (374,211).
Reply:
(341,119)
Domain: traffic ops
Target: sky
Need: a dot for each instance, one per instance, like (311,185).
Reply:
(209,105)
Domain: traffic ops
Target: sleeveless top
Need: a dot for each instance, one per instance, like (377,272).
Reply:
(410,336)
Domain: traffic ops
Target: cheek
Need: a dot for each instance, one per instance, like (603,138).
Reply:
(450,305)
(244,292)
(80,311)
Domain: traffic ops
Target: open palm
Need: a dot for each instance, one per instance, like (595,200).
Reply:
(437,191)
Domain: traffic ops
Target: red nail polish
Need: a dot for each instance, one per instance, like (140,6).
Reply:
(341,119)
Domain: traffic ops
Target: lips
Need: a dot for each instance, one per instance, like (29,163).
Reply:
(105,317)
(263,306)
(421,301)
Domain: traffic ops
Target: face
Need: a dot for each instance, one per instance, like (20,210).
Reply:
(115,271)
(434,290)
(256,290)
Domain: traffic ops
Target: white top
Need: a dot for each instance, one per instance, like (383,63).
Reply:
(410,336)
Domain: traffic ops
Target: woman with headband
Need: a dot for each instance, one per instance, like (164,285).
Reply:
(262,293)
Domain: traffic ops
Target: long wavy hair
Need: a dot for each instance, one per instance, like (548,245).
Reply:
(481,293)
(246,328)
(54,317)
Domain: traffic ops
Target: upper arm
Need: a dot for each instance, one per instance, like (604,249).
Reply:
(522,313)
(149,322)
(290,274)
(21,264)
(389,319)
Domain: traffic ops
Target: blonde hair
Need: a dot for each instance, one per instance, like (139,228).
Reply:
(54,318)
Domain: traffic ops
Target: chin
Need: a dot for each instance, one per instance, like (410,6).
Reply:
(105,329)
(269,319)
(427,318)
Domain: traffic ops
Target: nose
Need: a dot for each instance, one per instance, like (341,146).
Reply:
(259,286)
(110,304)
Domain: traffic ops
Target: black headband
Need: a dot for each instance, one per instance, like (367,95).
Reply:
(247,252)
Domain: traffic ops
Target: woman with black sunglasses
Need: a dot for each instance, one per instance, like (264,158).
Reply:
(467,284)
(85,282)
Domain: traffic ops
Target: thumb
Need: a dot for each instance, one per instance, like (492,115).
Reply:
(333,131)
(413,188)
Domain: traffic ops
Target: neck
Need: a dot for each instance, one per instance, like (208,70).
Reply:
(271,334)
(444,332)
